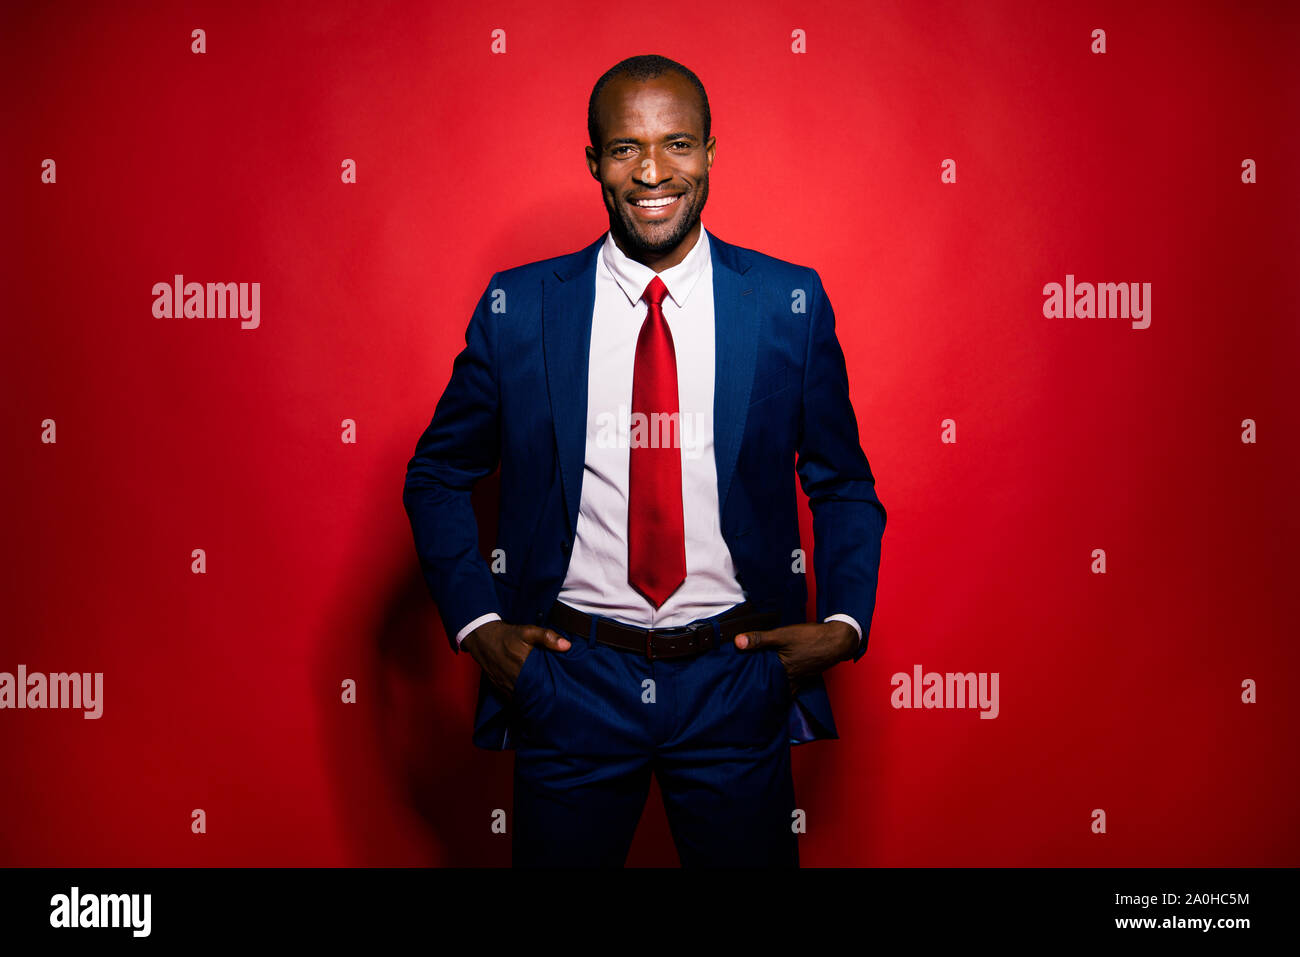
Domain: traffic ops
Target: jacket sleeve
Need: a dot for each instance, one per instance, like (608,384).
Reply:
(460,447)
(848,518)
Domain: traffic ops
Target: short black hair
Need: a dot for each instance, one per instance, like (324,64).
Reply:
(646,66)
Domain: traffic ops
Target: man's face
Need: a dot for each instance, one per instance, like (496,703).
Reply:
(652,164)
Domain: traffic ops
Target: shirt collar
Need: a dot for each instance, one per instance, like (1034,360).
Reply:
(633,277)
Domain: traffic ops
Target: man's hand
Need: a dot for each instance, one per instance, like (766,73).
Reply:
(805,650)
(500,649)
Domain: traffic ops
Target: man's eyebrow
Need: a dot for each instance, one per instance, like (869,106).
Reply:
(670,136)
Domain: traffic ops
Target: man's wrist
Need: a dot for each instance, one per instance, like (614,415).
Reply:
(470,628)
(850,620)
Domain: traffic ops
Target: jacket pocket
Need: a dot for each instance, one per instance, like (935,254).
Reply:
(770,384)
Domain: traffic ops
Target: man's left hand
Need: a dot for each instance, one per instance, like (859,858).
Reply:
(805,650)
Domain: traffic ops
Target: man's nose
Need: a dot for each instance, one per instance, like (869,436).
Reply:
(652,172)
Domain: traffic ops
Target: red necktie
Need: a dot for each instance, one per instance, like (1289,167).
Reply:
(656,535)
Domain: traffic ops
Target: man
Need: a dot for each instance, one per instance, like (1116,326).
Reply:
(645,609)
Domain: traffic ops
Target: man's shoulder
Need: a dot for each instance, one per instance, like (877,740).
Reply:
(743,259)
(564,265)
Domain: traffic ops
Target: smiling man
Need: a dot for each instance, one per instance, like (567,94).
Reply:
(645,610)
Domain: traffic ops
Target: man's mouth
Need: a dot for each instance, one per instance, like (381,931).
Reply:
(655,206)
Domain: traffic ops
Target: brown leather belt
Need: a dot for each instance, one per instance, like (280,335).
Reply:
(655,643)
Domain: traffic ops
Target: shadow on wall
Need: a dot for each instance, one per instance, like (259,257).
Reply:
(411,788)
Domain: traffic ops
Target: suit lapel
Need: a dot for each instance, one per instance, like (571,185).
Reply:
(735,348)
(568,298)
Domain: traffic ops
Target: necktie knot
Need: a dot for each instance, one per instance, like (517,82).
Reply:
(655,292)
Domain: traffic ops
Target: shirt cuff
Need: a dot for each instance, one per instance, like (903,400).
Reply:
(850,619)
(481,619)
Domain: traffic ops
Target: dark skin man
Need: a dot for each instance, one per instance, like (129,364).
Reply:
(653,168)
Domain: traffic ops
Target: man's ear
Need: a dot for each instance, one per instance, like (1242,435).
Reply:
(593,163)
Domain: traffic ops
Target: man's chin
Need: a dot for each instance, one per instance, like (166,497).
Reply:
(655,241)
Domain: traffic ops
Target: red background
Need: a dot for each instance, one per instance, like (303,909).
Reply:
(221,691)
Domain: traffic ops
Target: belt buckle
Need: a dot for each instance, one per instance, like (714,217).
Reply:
(680,630)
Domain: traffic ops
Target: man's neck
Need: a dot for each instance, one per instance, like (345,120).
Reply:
(659,261)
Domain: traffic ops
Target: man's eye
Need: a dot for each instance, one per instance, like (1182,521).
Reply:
(616,149)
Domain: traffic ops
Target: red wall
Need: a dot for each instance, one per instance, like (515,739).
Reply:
(1119,691)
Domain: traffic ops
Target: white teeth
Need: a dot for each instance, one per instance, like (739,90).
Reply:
(657,202)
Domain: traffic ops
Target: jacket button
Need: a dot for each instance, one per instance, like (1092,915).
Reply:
(565,546)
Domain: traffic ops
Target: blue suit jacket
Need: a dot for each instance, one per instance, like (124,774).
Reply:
(518,399)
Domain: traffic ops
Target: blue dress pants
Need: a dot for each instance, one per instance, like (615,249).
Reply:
(594,723)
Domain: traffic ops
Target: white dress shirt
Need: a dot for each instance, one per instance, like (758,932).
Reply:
(596,580)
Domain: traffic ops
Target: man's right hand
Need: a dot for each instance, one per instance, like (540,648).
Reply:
(500,649)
